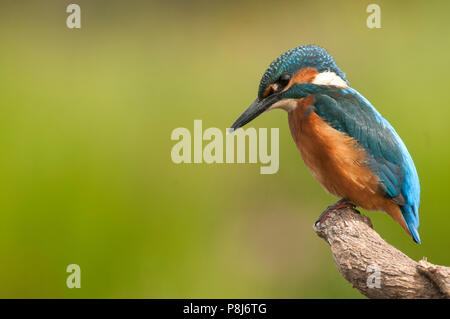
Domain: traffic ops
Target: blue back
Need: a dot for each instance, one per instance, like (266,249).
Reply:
(349,112)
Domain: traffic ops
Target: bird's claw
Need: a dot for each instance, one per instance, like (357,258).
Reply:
(343,203)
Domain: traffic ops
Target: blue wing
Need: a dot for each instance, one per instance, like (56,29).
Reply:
(349,112)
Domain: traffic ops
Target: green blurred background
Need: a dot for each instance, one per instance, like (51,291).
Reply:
(86,118)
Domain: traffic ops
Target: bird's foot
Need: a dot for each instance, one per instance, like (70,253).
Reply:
(343,203)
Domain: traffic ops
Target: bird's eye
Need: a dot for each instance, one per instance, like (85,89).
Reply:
(284,79)
(278,85)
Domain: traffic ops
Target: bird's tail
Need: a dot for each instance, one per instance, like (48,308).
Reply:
(411,218)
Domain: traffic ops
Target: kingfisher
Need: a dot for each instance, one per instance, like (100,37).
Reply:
(348,146)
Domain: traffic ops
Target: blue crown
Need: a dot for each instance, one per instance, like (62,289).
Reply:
(296,59)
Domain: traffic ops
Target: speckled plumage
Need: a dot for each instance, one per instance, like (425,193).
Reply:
(297,59)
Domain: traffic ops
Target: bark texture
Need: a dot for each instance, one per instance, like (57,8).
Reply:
(375,268)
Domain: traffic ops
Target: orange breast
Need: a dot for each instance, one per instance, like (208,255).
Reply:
(337,161)
(333,158)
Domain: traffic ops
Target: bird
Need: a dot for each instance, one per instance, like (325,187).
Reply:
(348,146)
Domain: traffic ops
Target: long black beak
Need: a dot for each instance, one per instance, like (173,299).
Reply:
(255,109)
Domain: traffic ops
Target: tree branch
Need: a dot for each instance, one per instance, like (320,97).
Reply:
(375,268)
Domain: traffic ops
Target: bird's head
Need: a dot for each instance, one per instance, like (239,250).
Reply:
(292,76)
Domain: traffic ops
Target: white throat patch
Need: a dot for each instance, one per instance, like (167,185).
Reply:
(329,78)
(285,104)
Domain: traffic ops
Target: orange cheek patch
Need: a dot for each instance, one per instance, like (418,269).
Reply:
(306,75)
(271,88)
